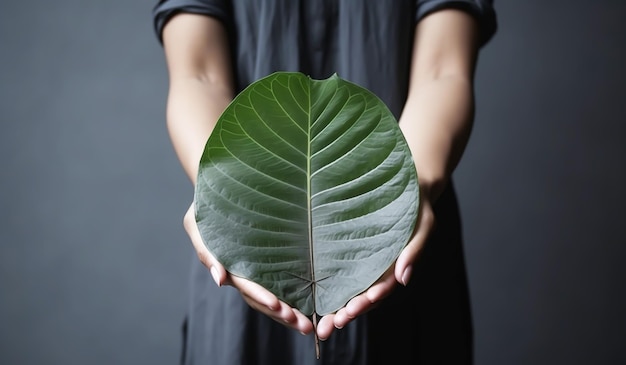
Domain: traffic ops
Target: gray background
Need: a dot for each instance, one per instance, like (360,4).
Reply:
(93,258)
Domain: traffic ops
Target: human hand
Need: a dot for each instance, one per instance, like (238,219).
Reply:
(399,273)
(254,294)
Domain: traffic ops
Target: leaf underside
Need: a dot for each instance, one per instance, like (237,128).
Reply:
(307,187)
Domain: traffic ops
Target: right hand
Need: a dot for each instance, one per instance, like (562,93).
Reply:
(254,294)
(398,274)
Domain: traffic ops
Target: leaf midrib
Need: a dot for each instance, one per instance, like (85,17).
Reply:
(309,208)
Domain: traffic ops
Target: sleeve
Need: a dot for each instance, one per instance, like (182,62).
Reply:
(482,10)
(165,9)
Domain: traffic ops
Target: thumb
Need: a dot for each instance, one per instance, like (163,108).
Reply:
(408,256)
(217,270)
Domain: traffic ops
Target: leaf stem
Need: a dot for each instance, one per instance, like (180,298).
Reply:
(317,339)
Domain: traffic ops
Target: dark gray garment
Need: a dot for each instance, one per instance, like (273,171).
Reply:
(367,42)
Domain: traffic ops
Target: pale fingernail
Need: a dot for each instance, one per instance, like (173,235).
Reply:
(406,275)
(216,276)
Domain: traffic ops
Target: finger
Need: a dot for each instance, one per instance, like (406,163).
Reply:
(219,274)
(355,307)
(287,315)
(343,316)
(284,315)
(325,326)
(257,293)
(382,288)
(303,323)
(293,318)
(366,301)
(404,263)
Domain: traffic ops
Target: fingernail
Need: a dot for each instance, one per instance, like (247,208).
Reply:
(216,276)
(406,275)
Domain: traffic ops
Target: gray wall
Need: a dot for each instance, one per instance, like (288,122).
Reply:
(542,188)
(93,257)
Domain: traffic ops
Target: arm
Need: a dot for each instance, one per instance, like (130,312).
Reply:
(200,88)
(436,122)
(438,115)
(200,83)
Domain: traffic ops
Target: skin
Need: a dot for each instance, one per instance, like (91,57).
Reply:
(436,121)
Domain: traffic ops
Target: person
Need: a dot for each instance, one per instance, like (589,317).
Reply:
(419,57)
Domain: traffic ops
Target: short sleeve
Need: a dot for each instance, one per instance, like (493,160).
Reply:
(165,9)
(482,10)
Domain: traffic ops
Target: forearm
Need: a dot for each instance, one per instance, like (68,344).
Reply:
(436,123)
(193,109)
(200,83)
(439,111)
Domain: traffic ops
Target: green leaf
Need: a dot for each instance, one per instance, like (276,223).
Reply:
(308,188)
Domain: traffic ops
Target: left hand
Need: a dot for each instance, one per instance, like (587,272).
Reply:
(399,273)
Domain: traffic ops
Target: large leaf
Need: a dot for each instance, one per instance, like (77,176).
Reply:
(307,187)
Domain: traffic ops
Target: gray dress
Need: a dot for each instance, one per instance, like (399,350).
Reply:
(367,42)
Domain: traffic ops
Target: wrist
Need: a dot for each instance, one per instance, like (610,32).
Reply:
(431,187)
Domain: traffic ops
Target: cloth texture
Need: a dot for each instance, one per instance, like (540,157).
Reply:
(368,42)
